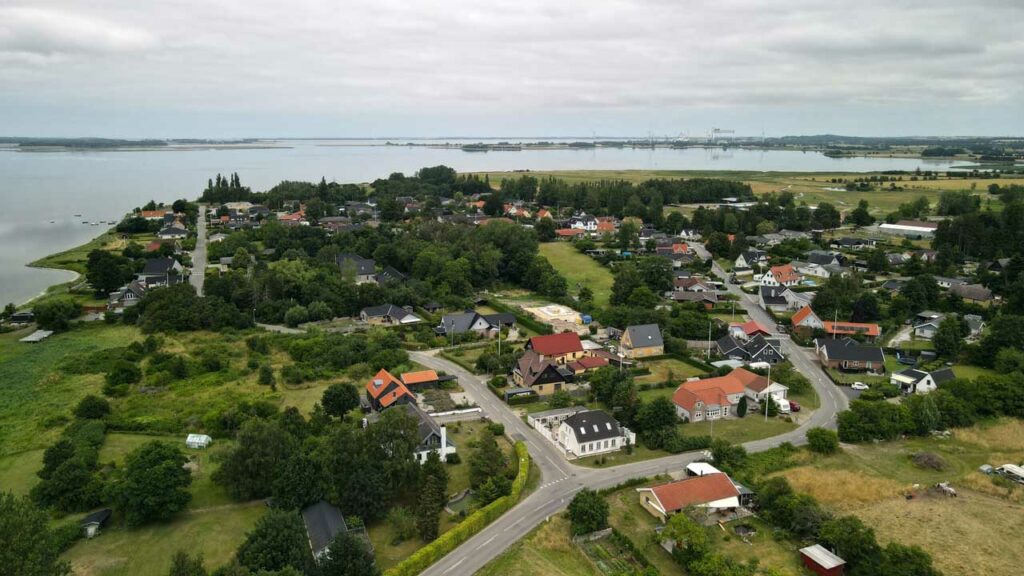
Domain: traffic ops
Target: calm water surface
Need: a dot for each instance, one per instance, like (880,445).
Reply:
(42,191)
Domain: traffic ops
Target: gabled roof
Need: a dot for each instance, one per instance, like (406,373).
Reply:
(323,522)
(694,491)
(588,363)
(390,274)
(386,389)
(695,297)
(849,349)
(645,335)
(592,425)
(713,390)
(802,315)
(556,344)
(363,266)
(159,266)
(822,556)
(774,295)
(975,292)
(531,366)
(98,518)
(751,327)
(784,274)
(943,375)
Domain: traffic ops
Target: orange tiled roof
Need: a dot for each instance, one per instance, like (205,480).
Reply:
(556,344)
(784,274)
(386,389)
(694,491)
(850,328)
(714,390)
(751,327)
(420,377)
(801,315)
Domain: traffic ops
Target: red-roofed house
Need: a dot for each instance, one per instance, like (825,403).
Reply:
(748,329)
(806,319)
(783,275)
(712,398)
(154,214)
(543,213)
(867,330)
(384,391)
(561,348)
(587,363)
(570,232)
(712,493)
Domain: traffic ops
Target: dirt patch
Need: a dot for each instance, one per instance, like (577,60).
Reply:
(970,534)
(841,489)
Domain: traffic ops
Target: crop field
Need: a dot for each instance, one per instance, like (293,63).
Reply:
(579,269)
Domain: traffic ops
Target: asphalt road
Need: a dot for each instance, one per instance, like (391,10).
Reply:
(560,479)
(198,276)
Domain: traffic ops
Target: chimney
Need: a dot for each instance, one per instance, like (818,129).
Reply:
(444,441)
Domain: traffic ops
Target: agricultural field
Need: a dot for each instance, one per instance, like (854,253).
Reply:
(579,269)
(964,535)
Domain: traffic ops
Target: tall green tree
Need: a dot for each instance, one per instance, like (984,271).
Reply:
(154,486)
(278,541)
(432,497)
(348,555)
(27,545)
(339,399)
(486,461)
(182,564)
(588,512)
(107,271)
(250,468)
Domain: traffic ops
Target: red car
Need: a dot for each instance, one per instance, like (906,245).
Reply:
(794,406)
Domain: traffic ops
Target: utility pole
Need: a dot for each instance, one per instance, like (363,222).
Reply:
(768,392)
(709,339)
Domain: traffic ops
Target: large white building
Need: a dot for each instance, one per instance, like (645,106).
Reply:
(589,432)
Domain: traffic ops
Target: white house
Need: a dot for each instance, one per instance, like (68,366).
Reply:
(198,441)
(912,381)
(928,324)
(709,493)
(806,318)
(760,389)
(591,432)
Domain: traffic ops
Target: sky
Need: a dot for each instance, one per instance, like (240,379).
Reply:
(380,68)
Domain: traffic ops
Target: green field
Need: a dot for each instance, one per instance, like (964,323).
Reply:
(579,269)
(668,369)
(740,430)
(213,532)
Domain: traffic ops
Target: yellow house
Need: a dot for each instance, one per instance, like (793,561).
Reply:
(642,341)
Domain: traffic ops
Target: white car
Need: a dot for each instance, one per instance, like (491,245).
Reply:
(860,386)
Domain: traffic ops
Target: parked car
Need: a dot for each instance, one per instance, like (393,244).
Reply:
(860,386)
(794,406)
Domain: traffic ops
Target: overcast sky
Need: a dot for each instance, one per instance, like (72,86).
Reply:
(249,68)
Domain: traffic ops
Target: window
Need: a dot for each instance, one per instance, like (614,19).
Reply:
(583,448)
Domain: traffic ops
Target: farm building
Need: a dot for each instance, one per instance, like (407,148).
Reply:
(819,560)
(198,441)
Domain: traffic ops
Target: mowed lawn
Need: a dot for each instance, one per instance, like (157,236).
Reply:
(120,551)
(578,268)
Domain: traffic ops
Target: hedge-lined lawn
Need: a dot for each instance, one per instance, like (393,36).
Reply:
(120,551)
(18,471)
(578,268)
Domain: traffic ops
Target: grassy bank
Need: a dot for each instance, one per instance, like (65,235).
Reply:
(580,269)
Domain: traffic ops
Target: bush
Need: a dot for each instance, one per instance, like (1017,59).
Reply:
(496,428)
(296,315)
(266,377)
(453,458)
(56,314)
(822,441)
(588,512)
(928,461)
(92,408)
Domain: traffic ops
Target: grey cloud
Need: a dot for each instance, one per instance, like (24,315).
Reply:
(49,31)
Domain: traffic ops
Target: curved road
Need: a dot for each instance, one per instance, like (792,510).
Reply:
(560,479)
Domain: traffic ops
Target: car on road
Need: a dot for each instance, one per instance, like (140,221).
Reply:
(794,406)
(860,386)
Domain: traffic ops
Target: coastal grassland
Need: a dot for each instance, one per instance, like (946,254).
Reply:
(964,535)
(214,532)
(75,258)
(808,187)
(37,395)
(579,269)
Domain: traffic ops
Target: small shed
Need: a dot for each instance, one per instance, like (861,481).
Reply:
(198,441)
(92,523)
(37,336)
(821,561)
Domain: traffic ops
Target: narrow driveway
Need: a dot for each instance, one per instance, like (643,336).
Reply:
(198,276)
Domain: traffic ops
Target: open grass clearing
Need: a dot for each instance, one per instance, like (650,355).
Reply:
(120,551)
(579,269)
(18,471)
(547,550)
(739,430)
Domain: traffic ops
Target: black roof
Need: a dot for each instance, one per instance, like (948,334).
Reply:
(591,425)
(390,274)
(363,266)
(849,349)
(156,266)
(773,295)
(944,375)
(98,517)
(323,522)
(500,319)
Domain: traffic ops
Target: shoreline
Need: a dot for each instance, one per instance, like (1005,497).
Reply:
(44,264)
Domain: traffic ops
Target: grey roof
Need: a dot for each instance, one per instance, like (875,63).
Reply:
(773,295)
(363,266)
(849,349)
(173,231)
(98,517)
(591,425)
(387,311)
(645,335)
(822,557)
(971,292)
(500,319)
(159,266)
(390,274)
(950,281)
(695,297)
(727,343)
(821,257)
(914,374)
(974,322)
(943,375)
(323,522)
(426,426)
(458,322)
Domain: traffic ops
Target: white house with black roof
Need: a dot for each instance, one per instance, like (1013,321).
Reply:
(591,432)
(756,349)
(913,381)
(848,355)
(388,314)
(161,272)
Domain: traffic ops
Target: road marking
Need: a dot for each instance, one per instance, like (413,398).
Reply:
(487,542)
(454,566)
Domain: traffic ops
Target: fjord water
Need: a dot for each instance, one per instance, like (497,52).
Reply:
(41,192)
